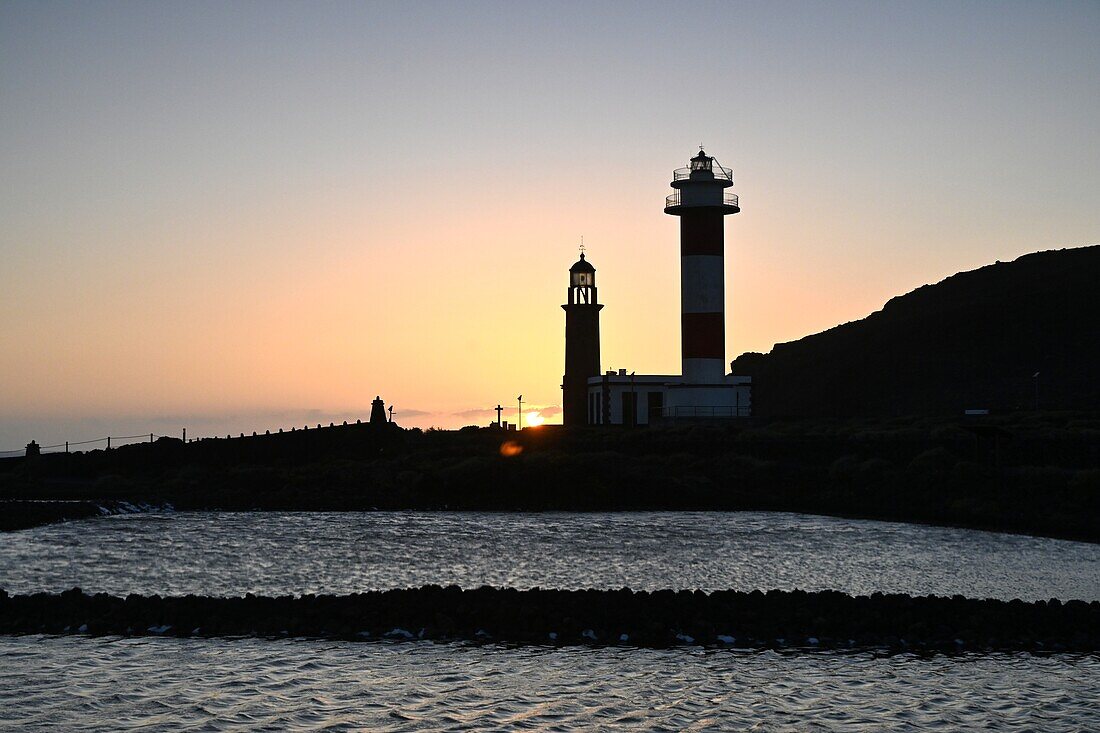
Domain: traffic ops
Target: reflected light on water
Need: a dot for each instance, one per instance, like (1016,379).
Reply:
(226,553)
(115,684)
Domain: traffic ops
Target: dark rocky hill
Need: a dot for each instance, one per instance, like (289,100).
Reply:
(972,341)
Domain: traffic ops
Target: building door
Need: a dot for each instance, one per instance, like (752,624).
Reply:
(655,402)
(630,408)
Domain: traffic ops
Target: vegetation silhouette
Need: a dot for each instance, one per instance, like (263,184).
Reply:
(1026,472)
(1001,337)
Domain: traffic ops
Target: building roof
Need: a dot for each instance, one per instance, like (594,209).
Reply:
(582,265)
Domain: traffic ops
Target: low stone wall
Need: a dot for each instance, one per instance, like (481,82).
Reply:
(825,619)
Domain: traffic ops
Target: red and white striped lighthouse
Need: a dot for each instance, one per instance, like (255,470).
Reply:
(701,203)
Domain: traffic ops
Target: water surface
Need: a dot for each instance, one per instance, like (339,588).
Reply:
(290,553)
(108,684)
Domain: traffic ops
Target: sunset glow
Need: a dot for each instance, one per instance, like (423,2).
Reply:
(210,221)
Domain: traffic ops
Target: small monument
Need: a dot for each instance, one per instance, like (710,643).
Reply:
(378,412)
(33,449)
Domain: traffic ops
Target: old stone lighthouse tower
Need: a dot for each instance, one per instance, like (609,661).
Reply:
(582,342)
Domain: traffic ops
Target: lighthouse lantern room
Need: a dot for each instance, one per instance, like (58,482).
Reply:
(582,282)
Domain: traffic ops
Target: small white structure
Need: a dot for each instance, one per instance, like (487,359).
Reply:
(618,398)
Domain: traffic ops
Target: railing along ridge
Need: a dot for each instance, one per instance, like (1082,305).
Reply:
(110,440)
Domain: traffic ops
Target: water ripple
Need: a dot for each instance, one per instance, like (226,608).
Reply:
(276,553)
(197,684)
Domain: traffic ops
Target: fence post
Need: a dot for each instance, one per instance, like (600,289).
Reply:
(150,437)
(66,446)
(108,442)
(185,435)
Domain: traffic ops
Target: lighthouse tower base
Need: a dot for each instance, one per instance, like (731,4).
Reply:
(688,401)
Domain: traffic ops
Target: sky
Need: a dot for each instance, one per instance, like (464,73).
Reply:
(242,216)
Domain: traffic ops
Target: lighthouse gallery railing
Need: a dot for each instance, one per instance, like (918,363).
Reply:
(722,174)
(728,199)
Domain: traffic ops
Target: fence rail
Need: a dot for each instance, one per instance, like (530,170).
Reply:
(722,174)
(111,441)
(116,441)
(728,199)
(706,411)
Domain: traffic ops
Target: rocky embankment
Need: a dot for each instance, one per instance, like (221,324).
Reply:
(825,619)
(25,514)
(16,515)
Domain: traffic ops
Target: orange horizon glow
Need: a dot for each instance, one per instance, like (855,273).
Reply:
(208,222)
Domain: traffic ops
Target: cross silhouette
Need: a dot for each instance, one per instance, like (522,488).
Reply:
(582,247)
(499,409)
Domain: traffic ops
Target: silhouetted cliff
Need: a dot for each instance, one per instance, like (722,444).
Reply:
(972,341)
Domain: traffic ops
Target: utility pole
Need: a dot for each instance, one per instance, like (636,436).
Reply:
(634,402)
(519,413)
